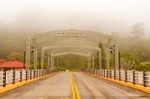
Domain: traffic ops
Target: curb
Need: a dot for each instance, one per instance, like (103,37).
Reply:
(19,84)
(128,84)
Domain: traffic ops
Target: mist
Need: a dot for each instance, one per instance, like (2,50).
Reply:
(117,19)
(37,19)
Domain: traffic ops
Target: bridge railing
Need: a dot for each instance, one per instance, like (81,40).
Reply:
(13,76)
(133,76)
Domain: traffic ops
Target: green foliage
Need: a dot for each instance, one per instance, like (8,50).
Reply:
(71,62)
(16,55)
(136,58)
(143,67)
(130,57)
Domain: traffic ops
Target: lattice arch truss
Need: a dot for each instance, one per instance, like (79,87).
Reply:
(85,43)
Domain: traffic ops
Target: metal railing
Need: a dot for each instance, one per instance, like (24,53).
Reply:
(133,76)
(13,76)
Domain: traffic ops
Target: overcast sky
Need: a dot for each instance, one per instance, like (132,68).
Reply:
(97,15)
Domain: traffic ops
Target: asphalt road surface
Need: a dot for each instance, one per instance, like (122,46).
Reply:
(94,88)
(59,87)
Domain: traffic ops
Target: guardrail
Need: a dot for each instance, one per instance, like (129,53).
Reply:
(14,76)
(135,77)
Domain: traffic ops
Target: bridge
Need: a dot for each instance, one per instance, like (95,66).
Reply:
(98,78)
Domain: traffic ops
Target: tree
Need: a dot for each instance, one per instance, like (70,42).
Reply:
(137,30)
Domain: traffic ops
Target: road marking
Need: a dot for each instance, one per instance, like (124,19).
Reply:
(72,87)
(75,90)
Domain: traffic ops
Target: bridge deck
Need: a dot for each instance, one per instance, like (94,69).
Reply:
(58,87)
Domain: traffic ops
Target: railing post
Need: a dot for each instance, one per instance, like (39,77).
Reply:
(21,75)
(119,74)
(26,74)
(42,72)
(107,73)
(134,77)
(144,79)
(126,76)
(30,74)
(114,74)
(39,72)
(14,73)
(110,74)
(36,74)
(104,73)
(4,78)
(48,71)
(33,73)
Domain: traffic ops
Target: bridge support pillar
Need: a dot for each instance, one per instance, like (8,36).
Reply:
(56,62)
(100,59)
(28,51)
(88,62)
(42,59)
(107,58)
(93,62)
(48,61)
(52,60)
(35,58)
(116,57)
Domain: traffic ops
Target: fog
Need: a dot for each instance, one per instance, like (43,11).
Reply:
(104,16)
(37,19)
(18,18)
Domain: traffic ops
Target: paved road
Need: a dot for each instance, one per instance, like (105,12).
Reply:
(55,87)
(94,88)
(58,87)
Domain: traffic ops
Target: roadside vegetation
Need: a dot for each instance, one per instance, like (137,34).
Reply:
(134,48)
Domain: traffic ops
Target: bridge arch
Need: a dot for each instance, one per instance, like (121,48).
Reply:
(71,39)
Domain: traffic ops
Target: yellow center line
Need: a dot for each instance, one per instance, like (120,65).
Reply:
(75,90)
(72,87)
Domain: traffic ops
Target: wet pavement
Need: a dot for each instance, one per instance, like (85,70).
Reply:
(58,87)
